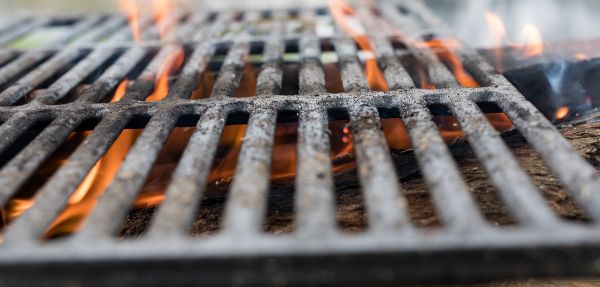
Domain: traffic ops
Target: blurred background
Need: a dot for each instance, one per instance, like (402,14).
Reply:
(557,20)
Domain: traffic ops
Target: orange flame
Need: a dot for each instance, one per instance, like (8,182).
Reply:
(121,90)
(423,79)
(562,113)
(498,31)
(532,39)
(447,50)
(347,19)
(534,44)
(161,10)
(172,63)
(581,56)
(131,10)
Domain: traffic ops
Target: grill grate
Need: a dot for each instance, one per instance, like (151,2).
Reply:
(392,249)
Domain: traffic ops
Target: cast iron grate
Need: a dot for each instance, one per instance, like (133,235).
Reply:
(391,250)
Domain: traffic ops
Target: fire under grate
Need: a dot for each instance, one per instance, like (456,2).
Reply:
(37,85)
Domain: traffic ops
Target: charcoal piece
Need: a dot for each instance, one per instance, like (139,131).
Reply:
(557,83)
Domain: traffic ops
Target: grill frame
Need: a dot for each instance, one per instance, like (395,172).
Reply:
(391,250)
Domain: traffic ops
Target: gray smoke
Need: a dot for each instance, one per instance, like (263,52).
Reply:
(557,20)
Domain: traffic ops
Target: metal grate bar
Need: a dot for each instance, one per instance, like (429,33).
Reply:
(87,66)
(119,196)
(108,81)
(386,209)
(246,205)
(12,23)
(114,204)
(353,76)
(20,65)
(144,85)
(167,210)
(53,196)
(11,35)
(515,187)
(453,200)
(395,74)
(28,83)
(106,27)
(188,79)
(314,181)
(7,55)
(74,76)
(315,213)
(16,126)
(311,77)
(174,216)
(17,171)
(269,81)
(230,74)
(578,177)
(450,194)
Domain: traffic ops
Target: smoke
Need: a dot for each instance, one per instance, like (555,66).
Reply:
(557,20)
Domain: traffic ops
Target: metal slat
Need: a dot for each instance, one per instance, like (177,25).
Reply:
(114,204)
(386,209)
(102,88)
(175,215)
(33,79)
(21,65)
(188,81)
(396,76)
(246,206)
(145,83)
(230,74)
(521,196)
(17,171)
(74,76)
(11,23)
(22,29)
(119,196)
(270,79)
(101,30)
(16,126)
(231,69)
(7,55)
(311,79)
(578,176)
(353,76)
(314,198)
(54,195)
(28,83)
(315,205)
(451,196)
